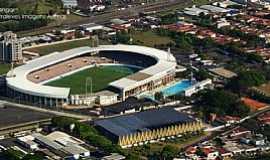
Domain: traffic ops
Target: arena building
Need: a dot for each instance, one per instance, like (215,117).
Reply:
(26,82)
(147,126)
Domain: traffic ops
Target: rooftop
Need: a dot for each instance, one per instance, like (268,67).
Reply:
(60,141)
(114,156)
(12,116)
(128,104)
(106,93)
(220,71)
(90,25)
(46,141)
(138,76)
(143,121)
(118,21)
(214,8)
(70,2)
(253,104)
(75,150)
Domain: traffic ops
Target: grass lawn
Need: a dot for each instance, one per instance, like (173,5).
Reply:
(40,6)
(74,18)
(101,76)
(179,143)
(4,68)
(149,38)
(62,46)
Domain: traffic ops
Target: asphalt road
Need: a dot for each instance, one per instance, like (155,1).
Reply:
(162,5)
(128,12)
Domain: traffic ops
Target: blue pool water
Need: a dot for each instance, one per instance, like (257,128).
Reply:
(177,88)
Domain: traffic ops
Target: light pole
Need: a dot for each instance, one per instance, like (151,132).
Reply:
(88,79)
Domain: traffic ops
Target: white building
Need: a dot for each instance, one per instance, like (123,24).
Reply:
(10,48)
(222,23)
(70,3)
(243,2)
(197,87)
(106,98)
(121,22)
(59,141)
(28,142)
(194,11)
(225,4)
(90,27)
(114,156)
(214,9)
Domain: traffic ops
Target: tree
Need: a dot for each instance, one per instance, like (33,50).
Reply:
(183,42)
(11,154)
(252,125)
(202,74)
(22,25)
(252,40)
(217,101)
(122,37)
(219,142)
(32,157)
(220,102)
(239,109)
(169,19)
(169,152)
(63,122)
(245,80)
(253,57)
(4,4)
(86,132)
(131,156)
(159,96)
(200,152)
(266,71)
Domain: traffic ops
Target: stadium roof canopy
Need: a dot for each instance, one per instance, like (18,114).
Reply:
(17,79)
(142,121)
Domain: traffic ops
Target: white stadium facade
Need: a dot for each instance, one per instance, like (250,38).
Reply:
(159,69)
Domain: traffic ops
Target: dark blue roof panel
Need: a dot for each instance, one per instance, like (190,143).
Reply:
(150,119)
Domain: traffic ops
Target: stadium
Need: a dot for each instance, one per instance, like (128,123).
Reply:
(148,69)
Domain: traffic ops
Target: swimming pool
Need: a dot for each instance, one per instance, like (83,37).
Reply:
(177,88)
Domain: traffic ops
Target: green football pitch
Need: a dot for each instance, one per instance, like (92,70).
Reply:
(101,77)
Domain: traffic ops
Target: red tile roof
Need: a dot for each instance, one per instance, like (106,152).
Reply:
(229,118)
(208,150)
(191,150)
(253,104)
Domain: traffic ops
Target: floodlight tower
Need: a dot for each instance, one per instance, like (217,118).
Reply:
(192,78)
(11,73)
(95,43)
(88,82)
(169,54)
(97,39)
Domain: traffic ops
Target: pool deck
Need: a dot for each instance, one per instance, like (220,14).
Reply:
(152,93)
(176,88)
